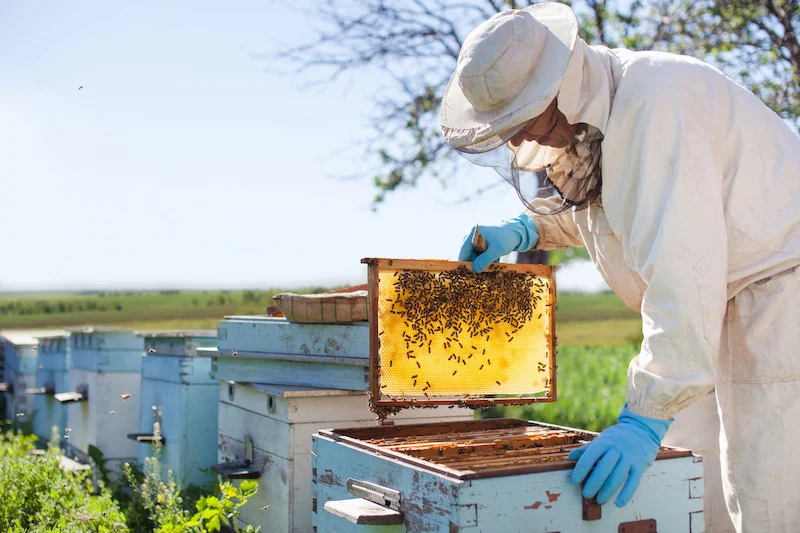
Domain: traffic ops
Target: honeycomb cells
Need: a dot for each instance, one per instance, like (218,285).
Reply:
(456,334)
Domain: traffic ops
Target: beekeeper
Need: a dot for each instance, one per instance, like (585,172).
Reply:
(685,190)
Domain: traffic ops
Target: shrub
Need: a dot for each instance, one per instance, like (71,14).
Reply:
(161,499)
(37,495)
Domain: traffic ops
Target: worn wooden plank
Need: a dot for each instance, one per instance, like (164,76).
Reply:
(177,369)
(267,433)
(428,501)
(321,374)
(513,503)
(360,511)
(279,336)
(271,507)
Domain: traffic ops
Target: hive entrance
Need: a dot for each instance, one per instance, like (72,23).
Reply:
(442,334)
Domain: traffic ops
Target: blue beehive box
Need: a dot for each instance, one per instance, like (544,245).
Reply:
(486,476)
(19,374)
(52,377)
(178,392)
(103,397)
(273,350)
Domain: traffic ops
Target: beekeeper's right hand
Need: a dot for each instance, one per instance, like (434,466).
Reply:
(518,234)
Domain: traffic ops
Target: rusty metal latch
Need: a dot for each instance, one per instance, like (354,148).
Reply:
(591,509)
(375,493)
(640,526)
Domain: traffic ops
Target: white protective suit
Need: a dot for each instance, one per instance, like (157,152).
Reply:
(698,228)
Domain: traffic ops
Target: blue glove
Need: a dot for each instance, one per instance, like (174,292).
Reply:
(622,452)
(517,234)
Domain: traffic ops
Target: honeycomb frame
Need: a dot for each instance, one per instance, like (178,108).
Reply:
(383,402)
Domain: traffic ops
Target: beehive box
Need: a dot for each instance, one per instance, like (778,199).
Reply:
(178,391)
(19,375)
(278,421)
(52,377)
(103,398)
(277,351)
(486,476)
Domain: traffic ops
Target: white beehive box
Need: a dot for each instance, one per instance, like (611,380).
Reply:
(19,374)
(279,421)
(103,402)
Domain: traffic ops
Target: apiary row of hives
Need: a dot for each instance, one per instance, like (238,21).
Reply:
(105,387)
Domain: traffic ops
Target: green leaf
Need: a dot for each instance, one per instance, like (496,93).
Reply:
(248,487)
(214,524)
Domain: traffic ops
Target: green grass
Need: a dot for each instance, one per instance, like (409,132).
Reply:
(586,307)
(591,385)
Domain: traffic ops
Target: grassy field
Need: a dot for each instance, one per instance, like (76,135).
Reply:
(601,319)
(591,386)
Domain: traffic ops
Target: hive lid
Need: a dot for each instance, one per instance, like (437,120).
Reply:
(442,335)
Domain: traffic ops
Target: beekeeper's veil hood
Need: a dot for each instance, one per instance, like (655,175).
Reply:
(509,70)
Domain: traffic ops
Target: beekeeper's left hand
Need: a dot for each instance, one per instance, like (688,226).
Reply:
(517,234)
(620,454)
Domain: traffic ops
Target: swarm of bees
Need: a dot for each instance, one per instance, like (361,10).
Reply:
(461,309)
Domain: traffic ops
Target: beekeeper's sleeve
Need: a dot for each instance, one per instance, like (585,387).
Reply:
(662,193)
(555,231)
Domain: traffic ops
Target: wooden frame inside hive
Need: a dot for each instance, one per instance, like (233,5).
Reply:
(442,335)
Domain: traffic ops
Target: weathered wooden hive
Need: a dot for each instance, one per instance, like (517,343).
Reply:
(431,322)
(52,377)
(282,382)
(19,374)
(103,397)
(178,392)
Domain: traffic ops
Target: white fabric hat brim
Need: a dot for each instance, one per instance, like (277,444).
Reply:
(463,125)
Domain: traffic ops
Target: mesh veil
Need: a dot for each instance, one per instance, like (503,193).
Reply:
(537,171)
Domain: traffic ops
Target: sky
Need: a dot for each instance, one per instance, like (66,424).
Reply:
(150,145)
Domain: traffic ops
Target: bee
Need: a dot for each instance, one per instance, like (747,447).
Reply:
(126,396)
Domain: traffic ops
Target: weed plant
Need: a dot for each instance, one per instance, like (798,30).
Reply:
(161,501)
(37,495)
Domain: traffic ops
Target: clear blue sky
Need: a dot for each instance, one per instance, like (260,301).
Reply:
(183,163)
